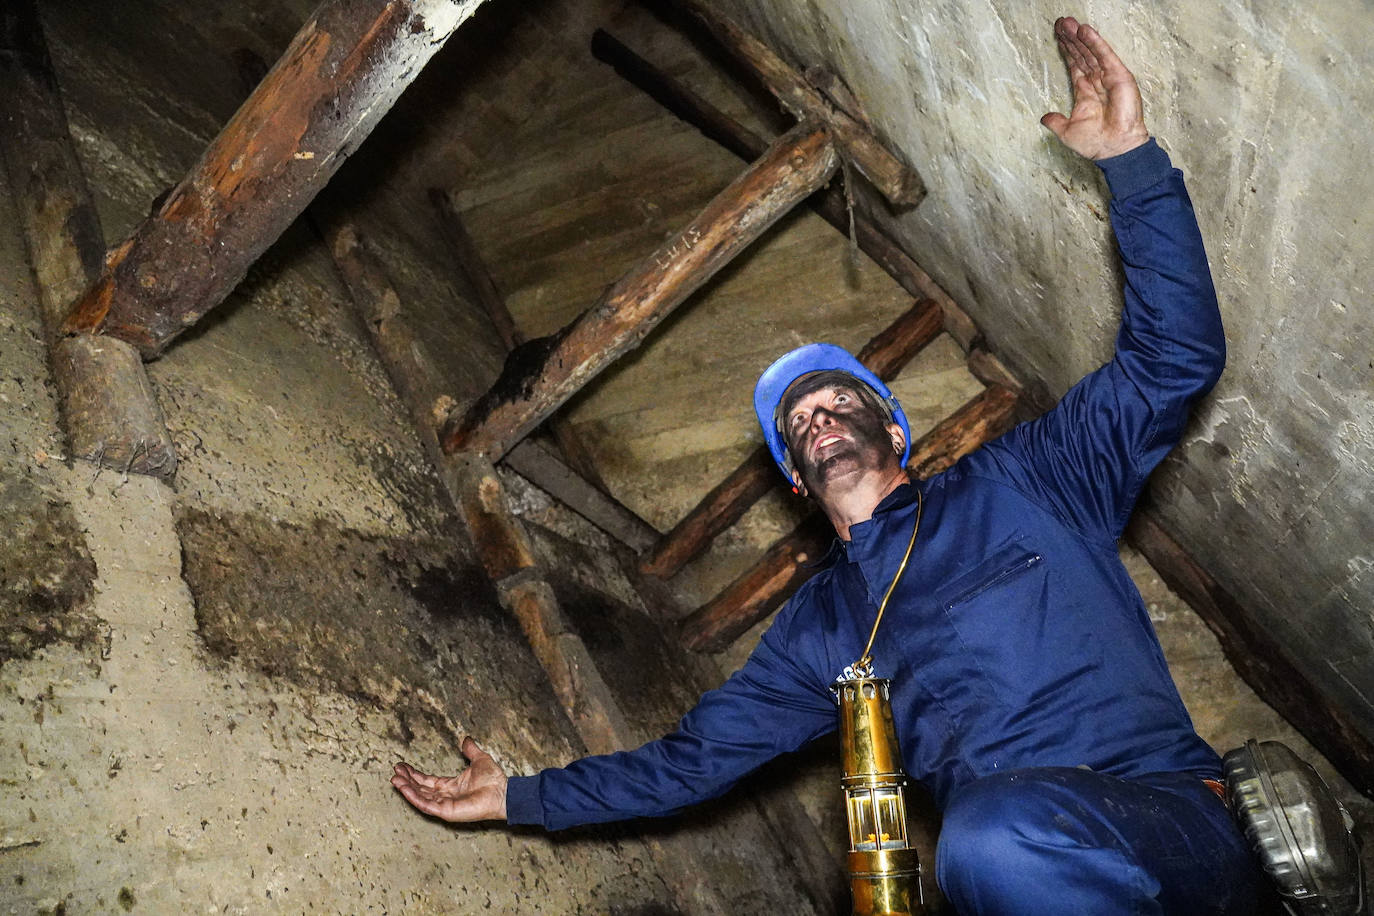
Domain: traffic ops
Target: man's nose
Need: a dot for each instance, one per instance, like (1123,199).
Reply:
(821,418)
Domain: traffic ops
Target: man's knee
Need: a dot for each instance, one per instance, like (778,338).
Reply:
(1013,843)
(990,828)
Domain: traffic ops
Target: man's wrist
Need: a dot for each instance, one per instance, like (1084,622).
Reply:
(521,801)
(1136,169)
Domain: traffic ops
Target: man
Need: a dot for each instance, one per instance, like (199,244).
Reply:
(1029,691)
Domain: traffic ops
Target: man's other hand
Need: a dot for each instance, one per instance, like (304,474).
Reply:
(476,794)
(1107,118)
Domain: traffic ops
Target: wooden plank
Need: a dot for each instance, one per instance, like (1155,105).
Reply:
(1261,660)
(897,181)
(417,383)
(483,285)
(540,376)
(830,203)
(888,351)
(542,468)
(764,586)
(342,72)
(108,407)
(505,551)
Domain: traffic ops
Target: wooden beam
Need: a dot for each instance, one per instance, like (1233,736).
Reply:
(541,467)
(1262,661)
(342,72)
(677,98)
(829,203)
(897,181)
(474,269)
(888,351)
(540,376)
(108,407)
(504,549)
(483,284)
(752,596)
(416,381)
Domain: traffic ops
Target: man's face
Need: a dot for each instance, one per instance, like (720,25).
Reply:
(832,432)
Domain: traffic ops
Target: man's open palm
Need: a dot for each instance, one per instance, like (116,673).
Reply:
(1107,118)
(476,794)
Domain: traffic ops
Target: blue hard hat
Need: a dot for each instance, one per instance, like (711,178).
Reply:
(816,357)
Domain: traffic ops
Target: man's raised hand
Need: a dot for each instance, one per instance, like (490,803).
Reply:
(476,794)
(1107,118)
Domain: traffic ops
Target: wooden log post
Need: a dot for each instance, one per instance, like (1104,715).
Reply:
(342,72)
(752,596)
(830,204)
(484,288)
(108,407)
(1262,661)
(472,484)
(541,375)
(896,180)
(504,549)
(888,351)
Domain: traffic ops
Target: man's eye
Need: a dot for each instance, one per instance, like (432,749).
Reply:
(841,399)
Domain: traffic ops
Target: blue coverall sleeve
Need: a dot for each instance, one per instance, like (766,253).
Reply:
(1088,458)
(768,707)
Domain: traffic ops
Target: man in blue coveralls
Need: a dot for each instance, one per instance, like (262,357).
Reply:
(1029,691)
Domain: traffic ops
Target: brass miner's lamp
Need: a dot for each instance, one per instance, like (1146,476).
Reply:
(884,870)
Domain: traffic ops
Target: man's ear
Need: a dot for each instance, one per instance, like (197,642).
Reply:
(797,486)
(898,437)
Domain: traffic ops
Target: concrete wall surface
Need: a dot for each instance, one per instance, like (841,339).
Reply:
(1264,107)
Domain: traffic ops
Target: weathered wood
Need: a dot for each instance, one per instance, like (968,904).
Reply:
(769,582)
(829,203)
(990,370)
(417,383)
(540,376)
(676,98)
(542,468)
(981,419)
(897,181)
(479,278)
(888,351)
(108,407)
(342,72)
(760,589)
(1262,661)
(504,549)
(474,269)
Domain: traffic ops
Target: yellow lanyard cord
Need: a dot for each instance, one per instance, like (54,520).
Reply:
(866,660)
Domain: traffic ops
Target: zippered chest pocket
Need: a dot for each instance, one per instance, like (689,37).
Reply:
(991,574)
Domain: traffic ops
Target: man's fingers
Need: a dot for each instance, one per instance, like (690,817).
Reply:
(409,772)
(1101,52)
(471,751)
(1056,122)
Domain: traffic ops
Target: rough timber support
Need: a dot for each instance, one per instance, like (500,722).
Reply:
(751,597)
(484,288)
(829,203)
(540,376)
(108,407)
(505,551)
(888,351)
(896,180)
(342,72)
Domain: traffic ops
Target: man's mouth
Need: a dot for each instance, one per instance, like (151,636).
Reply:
(824,440)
